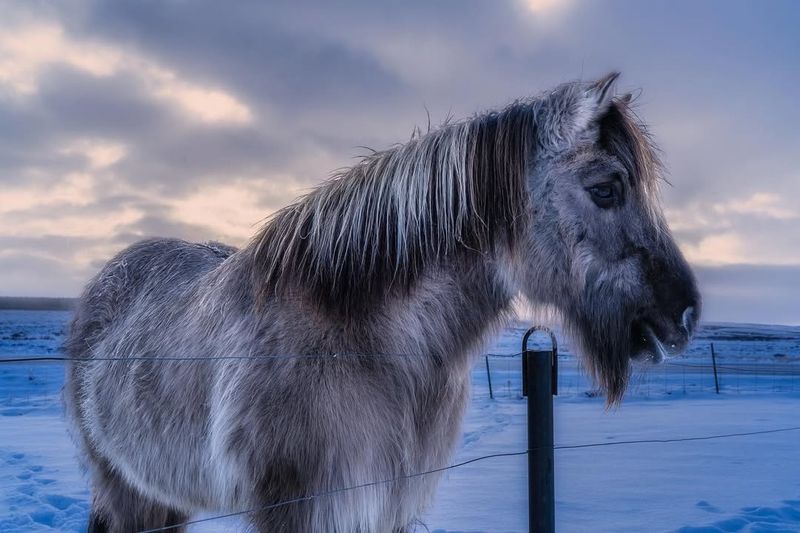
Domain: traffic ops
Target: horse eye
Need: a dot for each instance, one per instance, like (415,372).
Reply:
(603,195)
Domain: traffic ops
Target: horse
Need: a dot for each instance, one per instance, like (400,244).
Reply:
(335,348)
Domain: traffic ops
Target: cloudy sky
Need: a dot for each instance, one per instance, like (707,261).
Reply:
(120,120)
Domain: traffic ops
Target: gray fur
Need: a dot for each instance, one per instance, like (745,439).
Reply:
(417,250)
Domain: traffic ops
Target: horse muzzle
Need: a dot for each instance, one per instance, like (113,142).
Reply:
(654,340)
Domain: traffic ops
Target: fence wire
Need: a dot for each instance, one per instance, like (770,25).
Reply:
(332,492)
(64,359)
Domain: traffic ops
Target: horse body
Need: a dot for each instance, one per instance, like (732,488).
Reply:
(335,349)
(234,435)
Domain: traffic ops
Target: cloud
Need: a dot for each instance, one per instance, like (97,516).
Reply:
(233,209)
(99,153)
(755,228)
(710,215)
(71,189)
(723,248)
(206,104)
(25,51)
(764,204)
(26,274)
(28,50)
(547,8)
(750,293)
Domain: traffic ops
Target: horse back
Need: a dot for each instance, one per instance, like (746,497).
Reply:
(149,273)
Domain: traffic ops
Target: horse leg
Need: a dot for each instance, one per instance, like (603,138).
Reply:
(96,524)
(119,508)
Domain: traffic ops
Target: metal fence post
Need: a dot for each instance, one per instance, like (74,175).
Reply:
(539,384)
(714,362)
(489,377)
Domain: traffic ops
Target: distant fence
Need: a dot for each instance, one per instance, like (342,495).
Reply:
(733,376)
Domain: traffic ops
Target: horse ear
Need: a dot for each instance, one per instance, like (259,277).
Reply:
(604,89)
(578,107)
(594,102)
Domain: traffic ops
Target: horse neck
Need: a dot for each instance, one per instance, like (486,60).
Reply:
(452,308)
(479,304)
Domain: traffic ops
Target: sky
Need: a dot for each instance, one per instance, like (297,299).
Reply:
(121,120)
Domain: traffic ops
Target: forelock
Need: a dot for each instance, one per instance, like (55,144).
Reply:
(623,135)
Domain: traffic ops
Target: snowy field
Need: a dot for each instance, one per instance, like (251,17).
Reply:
(744,483)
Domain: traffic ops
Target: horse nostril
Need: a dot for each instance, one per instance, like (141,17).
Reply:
(687,320)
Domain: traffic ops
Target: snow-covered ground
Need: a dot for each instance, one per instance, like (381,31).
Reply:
(746,483)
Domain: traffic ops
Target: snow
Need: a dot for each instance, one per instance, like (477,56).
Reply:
(643,487)
(747,483)
(42,487)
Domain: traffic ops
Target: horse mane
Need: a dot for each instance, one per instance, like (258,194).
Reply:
(376,225)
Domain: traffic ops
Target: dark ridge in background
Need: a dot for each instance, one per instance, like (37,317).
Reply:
(28,303)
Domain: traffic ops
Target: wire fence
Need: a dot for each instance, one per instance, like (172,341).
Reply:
(732,375)
(503,370)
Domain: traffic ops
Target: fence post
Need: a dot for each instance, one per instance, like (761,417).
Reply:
(539,384)
(489,377)
(714,362)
